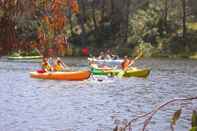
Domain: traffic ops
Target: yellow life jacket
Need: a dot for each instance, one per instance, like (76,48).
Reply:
(46,66)
(58,67)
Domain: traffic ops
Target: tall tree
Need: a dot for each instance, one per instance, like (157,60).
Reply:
(166,14)
(82,17)
(184,18)
(128,2)
(11,10)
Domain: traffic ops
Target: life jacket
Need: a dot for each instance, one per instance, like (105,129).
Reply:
(46,66)
(58,67)
(125,64)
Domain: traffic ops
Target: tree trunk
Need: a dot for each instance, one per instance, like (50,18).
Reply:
(8,34)
(127,20)
(166,15)
(103,13)
(94,20)
(112,10)
(82,22)
(184,20)
(94,15)
(70,21)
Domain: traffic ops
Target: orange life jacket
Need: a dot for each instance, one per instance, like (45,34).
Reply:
(125,64)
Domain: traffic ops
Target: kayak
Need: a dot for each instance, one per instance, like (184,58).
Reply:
(69,75)
(106,61)
(23,57)
(129,73)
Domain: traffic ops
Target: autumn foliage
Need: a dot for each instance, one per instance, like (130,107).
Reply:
(53,21)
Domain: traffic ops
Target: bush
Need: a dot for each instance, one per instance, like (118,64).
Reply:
(147,49)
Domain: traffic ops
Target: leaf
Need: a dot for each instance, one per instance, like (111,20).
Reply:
(74,6)
(194,119)
(193,128)
(176,116)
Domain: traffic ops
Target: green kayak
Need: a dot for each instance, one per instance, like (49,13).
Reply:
(129,73)
(23,57)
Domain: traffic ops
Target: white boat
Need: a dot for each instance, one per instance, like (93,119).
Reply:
(106,61)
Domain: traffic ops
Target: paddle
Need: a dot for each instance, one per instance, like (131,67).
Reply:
(122,72)
(136,58)
(139,56)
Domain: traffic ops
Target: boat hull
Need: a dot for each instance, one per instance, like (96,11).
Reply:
(71,76)
(105,61)
(129,73)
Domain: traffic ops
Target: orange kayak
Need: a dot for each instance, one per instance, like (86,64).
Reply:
(72,75)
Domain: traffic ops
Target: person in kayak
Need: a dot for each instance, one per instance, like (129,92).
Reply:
(101,56)
(126,63)
(92,63)
(45,65)
(59,65)
(108,55)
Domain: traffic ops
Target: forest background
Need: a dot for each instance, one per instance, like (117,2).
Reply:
(159,28)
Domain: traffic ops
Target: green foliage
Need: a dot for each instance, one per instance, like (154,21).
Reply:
(26,28)
(194,119)
(148,29)
(193,56)
(144,26)
(124,51)
(77,51)
(193,129)
(192,26)
(149,32)
(147,49)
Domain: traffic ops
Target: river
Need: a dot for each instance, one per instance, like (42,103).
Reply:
(28,104)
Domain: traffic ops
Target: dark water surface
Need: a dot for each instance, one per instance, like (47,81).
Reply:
(28,104)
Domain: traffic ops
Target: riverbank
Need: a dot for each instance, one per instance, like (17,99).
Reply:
(174,56)
(192,56)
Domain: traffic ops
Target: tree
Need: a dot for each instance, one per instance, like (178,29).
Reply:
(52,23)
(10,10)
(184,18)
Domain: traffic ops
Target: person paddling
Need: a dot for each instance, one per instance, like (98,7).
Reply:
(59,65)
(126,63)
(101,56)
(93,64)
(45,66)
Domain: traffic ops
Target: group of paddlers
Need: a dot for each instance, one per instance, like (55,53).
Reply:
(127,62)
(56,65)
(108,55)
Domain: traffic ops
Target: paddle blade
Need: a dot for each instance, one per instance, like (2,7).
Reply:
(120,74)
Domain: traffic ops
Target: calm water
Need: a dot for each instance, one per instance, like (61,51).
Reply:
(28,104)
